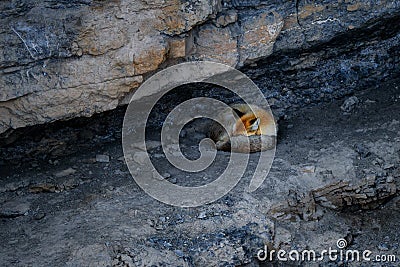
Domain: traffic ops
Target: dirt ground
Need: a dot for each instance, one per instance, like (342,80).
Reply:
(68,199)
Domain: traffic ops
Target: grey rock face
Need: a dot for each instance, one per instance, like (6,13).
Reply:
(65,59)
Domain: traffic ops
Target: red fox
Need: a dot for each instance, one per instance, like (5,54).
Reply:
(251,122)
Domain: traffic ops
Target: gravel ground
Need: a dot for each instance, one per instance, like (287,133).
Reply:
(68,199)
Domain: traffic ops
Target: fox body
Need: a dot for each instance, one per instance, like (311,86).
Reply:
(250,129)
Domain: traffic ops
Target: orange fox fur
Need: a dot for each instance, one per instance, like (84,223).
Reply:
(252,122)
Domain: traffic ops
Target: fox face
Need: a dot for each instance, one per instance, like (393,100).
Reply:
(250,122)
(248,125)
(253,120)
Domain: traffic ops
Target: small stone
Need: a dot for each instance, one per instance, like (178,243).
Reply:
(353,7)
(179,253)
(70,183)
(89,160)
(383,247)
(39,215)
(226,18)
(102,158)
(308,169)
(349,104)
(327,174)
(173,180)
(388,166)
(202,215)
(43,188)
(177,47)
(362,150)
(166,175)
(370,179)
(377,161)
(65,172)
(390,179)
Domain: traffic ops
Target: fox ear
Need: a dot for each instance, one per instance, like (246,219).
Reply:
(255,123)
(238,112)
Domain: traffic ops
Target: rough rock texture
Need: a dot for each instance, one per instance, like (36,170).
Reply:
(63,59)
(62,206)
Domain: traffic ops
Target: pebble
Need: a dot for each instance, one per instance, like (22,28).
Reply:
(173,180)
(308,169)
(44,187)
(349,104)
(383,247)
(89,160)
(166,175)
(388,166)
(202,215)
(179,253)
(377,161)
(362,150)
(65,172)
(102,158)
(39,215)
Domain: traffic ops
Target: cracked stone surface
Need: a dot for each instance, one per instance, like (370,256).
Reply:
(66,59)
(335,175)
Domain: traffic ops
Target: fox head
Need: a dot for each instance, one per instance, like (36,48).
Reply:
(248,123)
